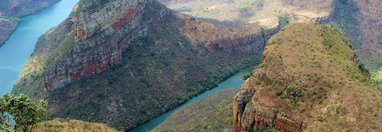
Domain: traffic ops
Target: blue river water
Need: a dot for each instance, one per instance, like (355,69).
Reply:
(15,52)
(233,82)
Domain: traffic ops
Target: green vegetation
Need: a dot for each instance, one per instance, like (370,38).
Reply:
(346,21)
(210,114)
(25,112)
(284,20)
(161,69)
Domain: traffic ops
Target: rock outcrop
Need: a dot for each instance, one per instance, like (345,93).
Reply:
(309,80)
(123,62)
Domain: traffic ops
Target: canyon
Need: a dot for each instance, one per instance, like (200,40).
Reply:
(110,57)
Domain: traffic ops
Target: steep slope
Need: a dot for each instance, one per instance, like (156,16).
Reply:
(211,114)
(10,10)
(59,125)
(126,61)
(309,80)
(361,22)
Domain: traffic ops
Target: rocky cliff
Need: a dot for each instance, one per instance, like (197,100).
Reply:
(10,10)
(126,61)
(309,80)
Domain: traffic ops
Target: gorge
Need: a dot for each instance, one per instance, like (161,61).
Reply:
(126,62)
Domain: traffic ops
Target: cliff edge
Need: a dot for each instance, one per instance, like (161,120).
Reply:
(309,80)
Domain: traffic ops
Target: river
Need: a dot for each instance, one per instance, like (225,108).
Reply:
(233,82)
(15,52)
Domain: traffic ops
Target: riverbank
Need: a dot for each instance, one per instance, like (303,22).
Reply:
(211,114)
(234,82)
(21,43)
(10,12)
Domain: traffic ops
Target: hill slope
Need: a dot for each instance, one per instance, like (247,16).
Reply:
(211,114)
(124,62)
(309,80)
(59,125)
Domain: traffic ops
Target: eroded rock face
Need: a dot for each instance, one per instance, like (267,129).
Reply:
(248,118)
(310,80)
(93,51)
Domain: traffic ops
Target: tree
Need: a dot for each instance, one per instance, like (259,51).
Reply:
(25,112)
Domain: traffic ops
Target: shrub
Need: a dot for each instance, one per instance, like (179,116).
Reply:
(25,113)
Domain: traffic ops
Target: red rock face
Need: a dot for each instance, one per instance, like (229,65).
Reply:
(286,125)
(129,15)
(79,33)
(48,86)
(97,48)
(89,69)
(249,118)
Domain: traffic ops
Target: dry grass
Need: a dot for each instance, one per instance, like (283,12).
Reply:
(59,125)
(309,72)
